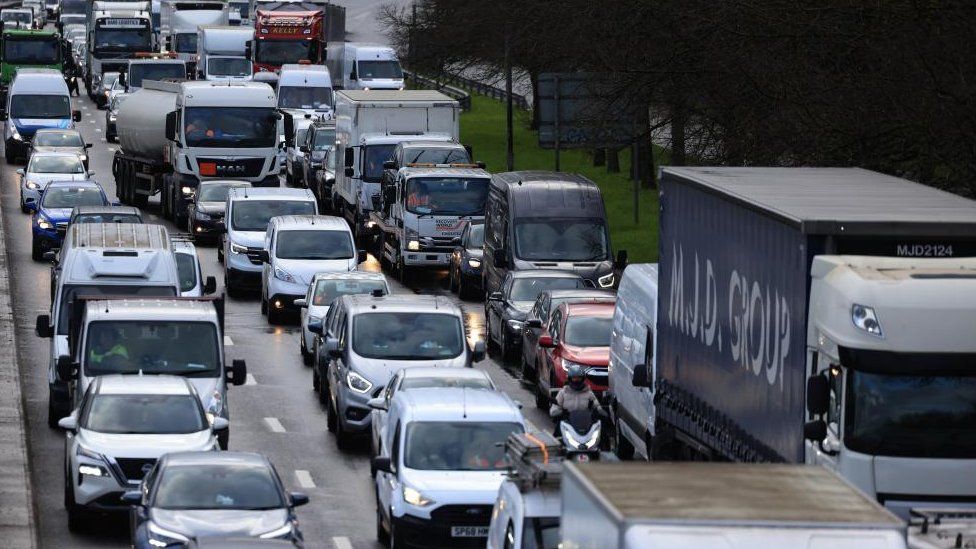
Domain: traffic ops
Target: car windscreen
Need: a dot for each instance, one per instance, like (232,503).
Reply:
(216,192)
(58,139)
(106,217)
(379,69)
(144,414)
(561,239)
(228,66)
(254,215)
(329,289)
(445,381)
(69,197)
(31,51)
(407,336)
(71,291)
(314,245)
(304,97)
(588,331)
(231,127)
(55,164)
(527,289)
(40,106)
(183,348)
(435,155)
(217,486)
(139,72)
(457,446)
(186,265)
(447,195)
(476,237)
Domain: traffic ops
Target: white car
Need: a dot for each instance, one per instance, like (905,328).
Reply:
(440,465)
(122,426)
(192,283)
(418,378)
(324,288)
(296,247)
(45,167)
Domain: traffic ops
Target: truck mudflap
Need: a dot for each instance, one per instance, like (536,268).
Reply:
(704,425)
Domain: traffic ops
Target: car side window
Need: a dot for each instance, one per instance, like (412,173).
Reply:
(390,389)
(342,333)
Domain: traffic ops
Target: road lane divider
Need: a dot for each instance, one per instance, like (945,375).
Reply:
(274,424)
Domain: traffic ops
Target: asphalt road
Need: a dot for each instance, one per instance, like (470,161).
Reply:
(276,413)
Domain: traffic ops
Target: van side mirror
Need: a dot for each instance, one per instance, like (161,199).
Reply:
(352,75)
(170,125)
(237,373)
(42,327)
(546,342)
(349,160)
(382,463)
(468,149)
(479,352)
(76,116)
(219,424)
(20,171)
(349,172)
(289,127)
(640,378)
(389,164)
(499,259)
(88,145)
(361,256)
(65,368)
(133,497)
(818,395)
(315,326)
(210,286)
(621,259)
(332,347)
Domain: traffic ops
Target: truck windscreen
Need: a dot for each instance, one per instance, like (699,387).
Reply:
(181,348)
(73,7)
(228,66)
(22,17)
(32,51)
(561,239)
(279,52)
(303,97)
(185,42)
(447,195)
(40,106)
(369,70)
(139,72)
(71,291)
(231,127)
(125,39)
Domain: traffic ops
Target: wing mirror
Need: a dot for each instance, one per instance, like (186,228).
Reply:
(382,463)
(20,171)
(220,424)
(42,327)
(315,326)
(479,351)
(621,259)
(133,497)
(546,342)
(332,347)
(818,395)
(301,302)
(65,368)
(361,256)
(210,286)
(237,373)
(69,423)
(640,378)
(815,431)
(297,499)
(496,296)
(349,171)
(534,323)
(76,116)
(389,165)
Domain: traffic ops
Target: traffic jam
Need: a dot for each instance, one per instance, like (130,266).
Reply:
(226,206)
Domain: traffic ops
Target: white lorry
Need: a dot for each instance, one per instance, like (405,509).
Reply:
(369,125)
(116,32)
(363,66)
(172,135)
(178,23)
(735,506)
(220,53)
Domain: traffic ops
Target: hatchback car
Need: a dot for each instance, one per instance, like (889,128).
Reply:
(122,426)
(324,289)
(44,167)
(578,334)
(195,495)
(205,212)
(57,140)
(465,269)
(50,222)
(507,309)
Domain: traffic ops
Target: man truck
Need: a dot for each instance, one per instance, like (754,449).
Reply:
(116,32)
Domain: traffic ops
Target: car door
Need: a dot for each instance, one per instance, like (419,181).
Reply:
(388,483)
(546,357)
(378,419)
(266,271)
(337,365)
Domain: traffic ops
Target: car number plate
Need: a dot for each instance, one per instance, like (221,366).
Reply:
(469,531)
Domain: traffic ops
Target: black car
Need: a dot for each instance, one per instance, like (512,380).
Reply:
(465,269)
(190,495)
(319,141)
(205,212)
(507,309)
(111,113)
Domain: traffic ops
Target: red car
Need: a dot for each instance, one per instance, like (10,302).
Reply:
(578,333)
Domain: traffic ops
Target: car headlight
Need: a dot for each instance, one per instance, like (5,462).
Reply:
(413,245)
(91,469)
(202,216)
(83,157)
(237,248)
(606,281)
(44,223)
(187,191)
(161,537)
(282,274)
(33,186)
(358,383)
(567,364)
(282,532)
(474,263)
(414,497)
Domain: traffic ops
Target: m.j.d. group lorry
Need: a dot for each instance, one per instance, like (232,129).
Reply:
(819,315)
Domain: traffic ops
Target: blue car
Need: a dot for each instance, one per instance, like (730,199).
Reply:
(50,221)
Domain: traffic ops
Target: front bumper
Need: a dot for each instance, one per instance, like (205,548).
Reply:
(15,148)
(425,259)
(47,237)
(352,409)
(284,302)
(436,531)
(207,227)
(243,279)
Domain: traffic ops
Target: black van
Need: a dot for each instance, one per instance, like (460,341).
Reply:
(546,220)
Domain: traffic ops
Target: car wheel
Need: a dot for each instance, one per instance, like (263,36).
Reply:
(306,356)
(264,305)
(220,253)
(381,534)
(315,381)
(342,437)
(37,250)
(396,540)
(541,398)
(330,415)
(452,280)
(528,373)
(489,340)
(76,518)
(507,347)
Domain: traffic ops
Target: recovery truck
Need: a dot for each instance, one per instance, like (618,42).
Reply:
(179,21)
(116,31)
(174,134)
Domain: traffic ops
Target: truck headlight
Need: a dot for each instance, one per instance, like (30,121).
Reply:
(358,383)
(413,245)
(414,497)
(606,281)
(474,263)
(866,319)
(187,191)
(237,249)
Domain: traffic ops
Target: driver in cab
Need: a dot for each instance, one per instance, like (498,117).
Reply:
(107,349)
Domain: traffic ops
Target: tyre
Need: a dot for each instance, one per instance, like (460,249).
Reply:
(396,540)
(306,355)
(139,200)
(381,534)
(493,349)
(452,282)
(507,352)
(23,207)
(330,415)
(76,518)
(528,372)
(342,437)
(37,250)
(275,316)
(464,289)
(264,306)
(620,446)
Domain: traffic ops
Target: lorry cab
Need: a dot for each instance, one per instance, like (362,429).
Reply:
(179,21)
(547,220)
(152,68)
(440,465)
(220,50)
(37,98)
(305,89)
(102,259)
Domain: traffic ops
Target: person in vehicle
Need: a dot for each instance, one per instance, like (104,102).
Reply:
(107,349)
(482,454)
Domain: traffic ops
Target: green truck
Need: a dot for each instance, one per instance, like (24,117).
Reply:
(28,48)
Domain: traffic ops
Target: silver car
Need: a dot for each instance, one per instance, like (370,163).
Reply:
(43,168)
(60,140)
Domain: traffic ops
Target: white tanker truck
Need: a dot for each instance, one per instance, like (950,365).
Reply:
(172,135)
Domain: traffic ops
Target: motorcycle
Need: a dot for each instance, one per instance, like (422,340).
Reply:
(581,430)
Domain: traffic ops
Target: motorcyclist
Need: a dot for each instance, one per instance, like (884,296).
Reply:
(575,394)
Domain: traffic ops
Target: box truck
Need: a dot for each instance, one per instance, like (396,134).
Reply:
(179,21)
(362,66)
(220,53)
(819,315)
(369,125)
(731,505)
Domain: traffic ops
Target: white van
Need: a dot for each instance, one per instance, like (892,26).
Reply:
(306,89)
(361,66)
(632,360)
(37,98)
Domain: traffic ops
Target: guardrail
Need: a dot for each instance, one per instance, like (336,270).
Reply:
(452,85)
(462,97)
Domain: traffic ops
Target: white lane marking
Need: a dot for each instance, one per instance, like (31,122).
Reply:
(250,380)
(228,341)
(304,479)
(274,425)
(342,542)
(98,130)
(111,149)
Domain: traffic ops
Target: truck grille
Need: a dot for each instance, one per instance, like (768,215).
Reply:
(462,515)
(252,254)
(135,468)
(238,167)
(435,244)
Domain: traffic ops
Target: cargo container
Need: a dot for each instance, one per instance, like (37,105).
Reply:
(816,315)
